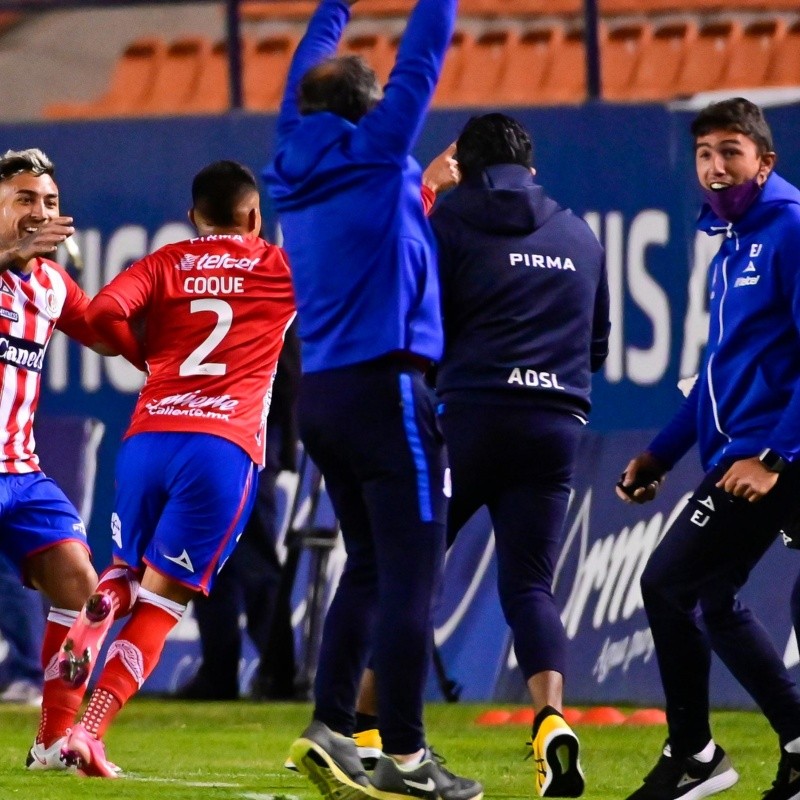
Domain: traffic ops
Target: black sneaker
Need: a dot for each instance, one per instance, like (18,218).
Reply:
(428,781)
(331,761)
(786,785)
(687,778)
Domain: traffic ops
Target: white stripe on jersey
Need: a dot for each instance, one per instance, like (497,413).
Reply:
(38,303)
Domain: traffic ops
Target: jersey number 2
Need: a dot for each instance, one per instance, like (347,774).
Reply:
(194,364)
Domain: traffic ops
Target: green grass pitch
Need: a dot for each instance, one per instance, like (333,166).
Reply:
(220,751)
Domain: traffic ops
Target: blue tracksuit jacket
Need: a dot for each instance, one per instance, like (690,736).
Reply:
(747,395)
(525,294)
(348,196)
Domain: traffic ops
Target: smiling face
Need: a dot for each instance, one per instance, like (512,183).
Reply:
(27,202)
(726,158)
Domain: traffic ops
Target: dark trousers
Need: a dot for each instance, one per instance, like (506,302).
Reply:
(693,577)
(371,430)
(518,462)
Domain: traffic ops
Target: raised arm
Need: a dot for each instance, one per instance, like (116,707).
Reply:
(319,42)
(395,123)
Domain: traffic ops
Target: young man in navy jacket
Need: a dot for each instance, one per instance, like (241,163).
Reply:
(744,414)
(364,268)
(526,320)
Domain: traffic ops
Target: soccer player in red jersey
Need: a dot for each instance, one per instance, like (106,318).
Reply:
(214,310)
(40,530)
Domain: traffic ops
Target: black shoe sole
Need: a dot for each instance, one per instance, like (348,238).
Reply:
(566,782)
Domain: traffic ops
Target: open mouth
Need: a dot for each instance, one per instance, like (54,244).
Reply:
(718,187)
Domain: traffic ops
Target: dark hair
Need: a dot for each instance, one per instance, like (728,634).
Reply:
(33,160)
(344,85)
(217,188)
(736,114)
(492,139)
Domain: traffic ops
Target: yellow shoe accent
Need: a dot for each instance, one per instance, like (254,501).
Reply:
(369,746)
(556,752)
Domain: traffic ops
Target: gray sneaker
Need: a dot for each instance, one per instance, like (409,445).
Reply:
(331,762)
(428,781)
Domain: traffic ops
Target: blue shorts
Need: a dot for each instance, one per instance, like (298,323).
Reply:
(181,503)
(35,515)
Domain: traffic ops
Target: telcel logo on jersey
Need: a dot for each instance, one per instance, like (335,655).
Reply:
(215,261)
(19,353)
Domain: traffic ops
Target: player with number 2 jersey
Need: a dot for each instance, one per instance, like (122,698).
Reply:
(211,314)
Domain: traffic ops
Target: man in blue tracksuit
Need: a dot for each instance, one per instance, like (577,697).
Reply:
(744,413)
(364,268)
(526,319)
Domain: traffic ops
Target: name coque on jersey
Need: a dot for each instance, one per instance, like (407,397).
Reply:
(214,284)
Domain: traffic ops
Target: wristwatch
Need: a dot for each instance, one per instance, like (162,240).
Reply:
(771,460)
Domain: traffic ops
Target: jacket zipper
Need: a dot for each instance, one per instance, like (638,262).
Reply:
(714,408)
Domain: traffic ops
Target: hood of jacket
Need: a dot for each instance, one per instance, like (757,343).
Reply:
(775,194)
(503,200)
(297,160)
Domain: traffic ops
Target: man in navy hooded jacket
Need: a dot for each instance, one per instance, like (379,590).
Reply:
(744,413)
(526,320)
(364,269)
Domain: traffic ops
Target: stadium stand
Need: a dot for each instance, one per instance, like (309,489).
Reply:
(784,68)
(528,63)
(264,73)
(131,83)
(750,60)
(622,49)
(707,59)
(504,52)
(565,81)
(657,70)
(178,76)
(485,68)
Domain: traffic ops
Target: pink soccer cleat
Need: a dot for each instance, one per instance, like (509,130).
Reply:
(84,640)
(88,754)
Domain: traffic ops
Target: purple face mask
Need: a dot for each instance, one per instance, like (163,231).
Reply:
(731,203)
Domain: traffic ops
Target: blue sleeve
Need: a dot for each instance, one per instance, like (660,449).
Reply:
(679,434)
(785,438)
(320,42)
(393,126)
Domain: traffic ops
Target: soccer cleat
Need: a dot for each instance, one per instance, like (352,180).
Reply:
(331,761)
(41,757)
(84,640)
(368,745)
(675,778)
(786,785)
(88,754)
(556,752)
(428,780)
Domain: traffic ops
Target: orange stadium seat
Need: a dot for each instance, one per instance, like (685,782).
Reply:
(751,59)
(707,59)
(656,73)
(784,68)
(455,61)
(212,91)
(621,52)
(528,63)
(565,81)
(265,71)
(484,70)
(131,83)
(177,79)
(375,49)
